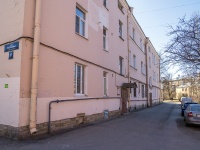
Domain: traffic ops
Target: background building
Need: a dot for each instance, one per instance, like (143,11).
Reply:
(182,87)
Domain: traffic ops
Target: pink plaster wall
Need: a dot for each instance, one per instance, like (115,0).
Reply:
(56,69)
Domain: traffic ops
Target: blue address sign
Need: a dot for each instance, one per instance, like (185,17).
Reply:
(11,46)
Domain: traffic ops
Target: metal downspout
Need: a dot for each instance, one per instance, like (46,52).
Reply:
(128,37)
(35,63)
(147,73)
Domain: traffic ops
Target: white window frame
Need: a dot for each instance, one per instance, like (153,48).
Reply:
(154,76)
(133,34)
(142,67)
(149,61)
(120,29)
(105,39)
(141,44)
(143,91)
(81,23)
(134,92)
(82,68)
(105,3)
(121,67)
(105,84)
(134,61)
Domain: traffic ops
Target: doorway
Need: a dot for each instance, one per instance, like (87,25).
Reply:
(124,95)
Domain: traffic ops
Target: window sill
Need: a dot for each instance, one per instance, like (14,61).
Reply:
(121,38)
(80,95)
(106,96)
(143,74)
(106,8)
(106,50)
(82,36)
(121,10)
(121,75)
(132,38)
(134,68)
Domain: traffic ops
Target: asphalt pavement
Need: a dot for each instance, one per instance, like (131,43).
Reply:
(157,128)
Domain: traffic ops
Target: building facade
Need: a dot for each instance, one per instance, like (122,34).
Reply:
(68,63)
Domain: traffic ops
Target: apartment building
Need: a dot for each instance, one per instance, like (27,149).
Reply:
(68,63)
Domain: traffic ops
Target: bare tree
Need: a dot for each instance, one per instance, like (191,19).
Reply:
(183,50)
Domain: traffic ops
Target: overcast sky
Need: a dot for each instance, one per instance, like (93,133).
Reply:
(154,15)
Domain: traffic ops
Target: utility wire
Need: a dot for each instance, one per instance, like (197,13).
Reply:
(166,8)
(161,25)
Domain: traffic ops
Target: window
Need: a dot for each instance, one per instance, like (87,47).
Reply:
(79,79)
(143,68)
(120,29)
(135,92)
(143,91)
(105,40)
(121,65)
(80,22)
(133,33)
(134,61)
(120,6)
(141,44)
(105,3)
(150,82)
(154,76)
(150,62)
(105,84)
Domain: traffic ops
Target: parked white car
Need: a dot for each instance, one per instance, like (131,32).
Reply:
(185,100)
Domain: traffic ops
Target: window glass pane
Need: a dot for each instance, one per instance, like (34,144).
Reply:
(120,65)
(104,39)
(104,2)
(133,34)
(80,13)
(120,29)
(195,108)
(77,24)
(135,92)
(82,28)
(104,42)
(104,32)
(105,86)
(79,79)
(78,82)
